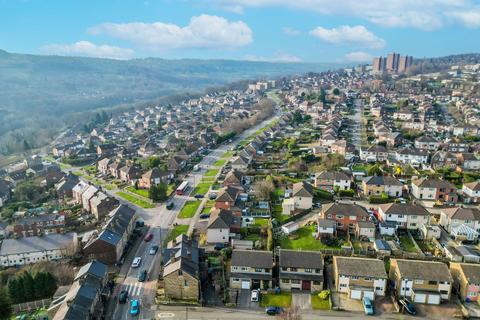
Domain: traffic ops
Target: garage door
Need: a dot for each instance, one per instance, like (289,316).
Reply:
(369,294)
(356,294)
(433,299)
(420,298)
(245,284)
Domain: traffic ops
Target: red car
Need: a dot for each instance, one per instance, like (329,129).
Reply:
(148,237)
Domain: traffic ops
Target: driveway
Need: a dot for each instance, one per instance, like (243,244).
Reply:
(244,300)
(302,300)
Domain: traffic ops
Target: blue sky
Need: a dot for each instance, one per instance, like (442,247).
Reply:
(270,30)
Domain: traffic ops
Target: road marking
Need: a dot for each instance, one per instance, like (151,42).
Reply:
(164,315)
(127,288)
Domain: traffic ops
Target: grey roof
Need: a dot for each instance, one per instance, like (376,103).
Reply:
(404,209)
(300,259)
(462,213)
(472,272)
(347,209)
(433,183)
(94,268)
(423,270)
(360,267)
(181,253)
(35,244)
(252,258)
(332,175)
(221,219)
(302,189)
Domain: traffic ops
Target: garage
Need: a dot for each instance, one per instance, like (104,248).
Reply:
(358,294)
(420,297)
(433,298)
(369,294)
(245,284)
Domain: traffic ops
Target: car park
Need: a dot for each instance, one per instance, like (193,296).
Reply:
(136,262)
(408,306)
(123,296)
(142,276)
(134,307)
(368,306)
(148,237)
(153,250)
(255,295)
(273,311)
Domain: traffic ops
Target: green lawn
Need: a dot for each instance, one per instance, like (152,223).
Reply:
(283,300)
(407,244)
(277,213)
(261,222)
(201,188)
(140,192)
(176,231)
(78,173)
(189,209)
(171,188)
(302,239)
(227,155)
(135,200)
(318,304)
(219,162)
(206,210)
(211,173)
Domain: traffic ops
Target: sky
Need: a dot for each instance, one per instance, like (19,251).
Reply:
(259,30)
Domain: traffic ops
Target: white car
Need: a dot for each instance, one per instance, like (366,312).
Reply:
(136,262)
(255,295)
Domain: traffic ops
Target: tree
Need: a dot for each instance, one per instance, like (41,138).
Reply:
(15,290)
(27,191)
(28,286)
(39,285)
(5,304)
(158,192)
(336,91)
(153,162)
(375,170)
(264,189)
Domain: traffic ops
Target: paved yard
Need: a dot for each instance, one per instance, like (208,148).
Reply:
(302,300)
(443,311)
(245,300)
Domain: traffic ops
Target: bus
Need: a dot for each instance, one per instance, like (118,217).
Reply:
(182,188)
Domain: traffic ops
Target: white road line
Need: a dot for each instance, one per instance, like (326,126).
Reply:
(127,288)
(137,293)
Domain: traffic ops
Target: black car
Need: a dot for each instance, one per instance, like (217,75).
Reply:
(220,246)
(199,196)
(170,205)
(408,306)
(123,296)
(142,276)
(273,311)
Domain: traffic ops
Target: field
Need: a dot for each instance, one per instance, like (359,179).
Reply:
(189,209)
(135,200)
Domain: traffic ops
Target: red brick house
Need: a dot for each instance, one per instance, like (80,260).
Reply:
(345,215)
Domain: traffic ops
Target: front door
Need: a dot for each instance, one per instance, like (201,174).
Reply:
(255,284)
(306,285)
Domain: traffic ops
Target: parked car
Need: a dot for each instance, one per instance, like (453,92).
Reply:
(408,306)
(273,311)
(134,307)
(153,250)
(212,196)
(199,196)
(123,296)
(136,262)
(368,306)
(204,216)
(148,237)
(220,246)
(170,205)
(255,295)
(142,276)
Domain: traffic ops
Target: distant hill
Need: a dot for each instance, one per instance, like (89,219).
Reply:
(39,94)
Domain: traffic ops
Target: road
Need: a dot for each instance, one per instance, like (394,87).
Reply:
(160,220)
(356,139)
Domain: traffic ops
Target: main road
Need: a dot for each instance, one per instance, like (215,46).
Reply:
(160,220)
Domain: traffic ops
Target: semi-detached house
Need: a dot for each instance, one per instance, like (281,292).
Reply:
(251,269)
(404,216)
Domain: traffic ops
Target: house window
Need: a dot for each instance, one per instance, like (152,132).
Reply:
(308,270)
(258,270)
(354,277)
(432,282)
(285,281)
(295,281)
(340,216)
(316,283)
(378,288)
(244,268)
(367,279)
(236,279)
(329,216)
(284,269)
(343,285)
(180,272)
(185,284)
(293,269)
(318,270)
(443,292)
(418,281)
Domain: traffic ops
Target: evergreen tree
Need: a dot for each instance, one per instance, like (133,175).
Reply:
(159,192)
(28,286)
(50,284)
(39,285)
(5,304)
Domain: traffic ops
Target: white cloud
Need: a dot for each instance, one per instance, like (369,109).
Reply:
(358,56)
(356,35)
(203,32)
(420,14)
(88,49)
(470,18)
(280,57)
(291,32)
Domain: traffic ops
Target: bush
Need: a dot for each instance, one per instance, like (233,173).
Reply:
(379,200)
(346,193)
(322,194)
(324,294)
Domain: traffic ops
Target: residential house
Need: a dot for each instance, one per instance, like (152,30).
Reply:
(378,185)
(222,225)
(444,159)
(251,269)
(453,217)
(414,157)
(425,282)
(434,189)
(154,177)
(65,186)
(471,192)
(326,228)
(176,164)
(466,277)
(373,153)
(469,161)
(78,190)
(427,143)
(86,296)
(108,246)
(240,163)
(101,204)
(301,199)
(129,173)
(181,276)
(345,215)
(227,197)
(365,230)
(234,178)
(39,225)
(103,165)
(332,180)
(302,270)
(88,195)
(404,215)
(359,277)
(51,247)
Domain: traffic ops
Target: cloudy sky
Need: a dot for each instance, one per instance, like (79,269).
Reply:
(266,30)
